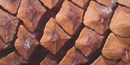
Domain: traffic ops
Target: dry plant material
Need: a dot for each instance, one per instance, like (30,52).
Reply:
(73,57)
(10,5)
(126,57)
(11,59)
(25,43)
(120,23)
(82,3)
(50,3)
(124,40)
(124,2)
(97,17)
(8,26)
(107,2)
(114,49)
(102,61)
(121,63)
(2,45)
(74,34)
(69,17)
(54,37)
(88,41)
(49,60)
(30,12)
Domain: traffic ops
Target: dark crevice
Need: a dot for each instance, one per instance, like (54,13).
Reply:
(81,53)
(69,44)
(112,14)
(114,9)
(111,59)
(18,8)
(100,3)
(63,29)
(12,43)
(38,55)
(44,5)
(98,52)
(21,23)
(76,4)
(84,27)
(123,5)
(7,11)
(2,40)
(15,36)
(45,18)
(119,35)
(5,52)
(94,30)
(10,47)
(41,25)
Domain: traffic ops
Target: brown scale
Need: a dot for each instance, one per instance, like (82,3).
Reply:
(8,25)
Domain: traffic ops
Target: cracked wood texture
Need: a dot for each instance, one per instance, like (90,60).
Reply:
(64,32)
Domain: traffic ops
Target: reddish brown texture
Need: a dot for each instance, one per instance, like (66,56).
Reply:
(73,57)
(49,60)
(102,61)
(70,32)
(122,63)
(120,23)
(69,17)
(114,49)
(82,3)
(10,5)
(11,59)
(50,3)
(2,45)
(30,12)
(97,17)
(88,41)
(25,43)
(124,2)
(8,26)
(109,3)
(54,37)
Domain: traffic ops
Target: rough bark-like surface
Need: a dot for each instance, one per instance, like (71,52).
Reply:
(50,3)
(120,22)
(2,45)
(124,2)
(8,26)
(30,12)
(10,5)
(88,41)
(64,32)
(25,43)
(54,37)
(69,17)
(102,61)
(108,3)
(49,60)
(82,3)
(73,57)
(97,17)
(114,49)
(11,59)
